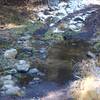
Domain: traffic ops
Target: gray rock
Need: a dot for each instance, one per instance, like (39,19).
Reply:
(11,53)
(12,71)
(42,50)
(9,86)
(33,71)
(91,55)
(13,90)
(25,37)
(53,3)
(22,66)
(7,77)
(9,82)
(24,42)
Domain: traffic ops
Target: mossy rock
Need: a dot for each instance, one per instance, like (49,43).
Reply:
(53,36)
(97,46)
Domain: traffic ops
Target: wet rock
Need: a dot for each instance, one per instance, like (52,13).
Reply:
(22,66)
(35,72)
(11,53)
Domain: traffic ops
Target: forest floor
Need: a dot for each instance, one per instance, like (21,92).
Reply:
(16,25)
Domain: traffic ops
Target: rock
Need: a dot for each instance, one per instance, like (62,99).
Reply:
(9,82)
(78,19)
(9,87)
(42,50)
(43,56)
(91,55)
(36,79)
(22,66)
(11,53)
(57,30)
(13,90)
(33,71)
(7,77)
(23,52)
(23,38)
(24,42)
(53,3)
(12,71)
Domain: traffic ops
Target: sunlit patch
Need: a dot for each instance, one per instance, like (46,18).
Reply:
(93,2)
(11,25)
(85,89)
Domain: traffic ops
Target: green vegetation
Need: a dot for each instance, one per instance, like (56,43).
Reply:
(27,27)
(97,46)
(53,36)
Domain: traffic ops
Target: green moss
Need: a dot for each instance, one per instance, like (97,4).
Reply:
(97,46)
(23,56)
(53,36)
(5,45)
(98,32)
(27,27)
(70,32)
